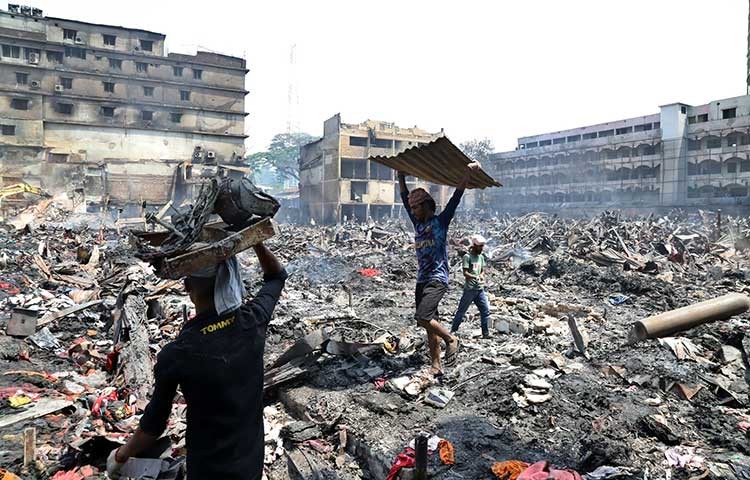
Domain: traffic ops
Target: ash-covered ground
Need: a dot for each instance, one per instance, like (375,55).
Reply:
(350,403)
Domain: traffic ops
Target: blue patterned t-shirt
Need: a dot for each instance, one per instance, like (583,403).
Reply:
(431,240)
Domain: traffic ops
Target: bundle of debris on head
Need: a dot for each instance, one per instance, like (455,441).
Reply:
(192,242)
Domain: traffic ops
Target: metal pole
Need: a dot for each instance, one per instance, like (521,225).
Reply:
(684,318)
(718,225)
(420,469)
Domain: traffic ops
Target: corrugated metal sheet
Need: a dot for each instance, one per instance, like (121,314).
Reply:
(438,162)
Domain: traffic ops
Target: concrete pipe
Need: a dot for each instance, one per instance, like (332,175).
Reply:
(667,323)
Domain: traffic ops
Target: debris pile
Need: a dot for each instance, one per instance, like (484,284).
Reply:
(557,387)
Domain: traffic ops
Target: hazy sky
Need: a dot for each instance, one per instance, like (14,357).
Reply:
(500,69)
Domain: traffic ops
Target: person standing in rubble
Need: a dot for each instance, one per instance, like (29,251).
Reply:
(217,361)
(473,268)
(430,242)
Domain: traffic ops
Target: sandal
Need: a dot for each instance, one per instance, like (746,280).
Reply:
(451,357)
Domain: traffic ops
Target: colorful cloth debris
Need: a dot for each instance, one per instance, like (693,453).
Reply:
(509,469)
(543,471)
(446,452)
(406,459)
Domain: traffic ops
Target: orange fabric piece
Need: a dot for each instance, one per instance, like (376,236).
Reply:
(6,475)
(509,470)
(445,450)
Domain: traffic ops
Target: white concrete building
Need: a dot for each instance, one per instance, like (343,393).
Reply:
(682,156)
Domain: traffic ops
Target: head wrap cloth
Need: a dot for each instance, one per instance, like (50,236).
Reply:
(418,196)
(228,286)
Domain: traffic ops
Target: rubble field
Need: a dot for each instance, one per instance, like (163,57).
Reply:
(347,383)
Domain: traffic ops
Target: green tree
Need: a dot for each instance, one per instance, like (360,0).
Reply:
(282,155)
(478,149)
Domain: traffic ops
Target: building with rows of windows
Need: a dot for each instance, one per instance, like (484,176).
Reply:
(105,107)
(338,182)
(683,156)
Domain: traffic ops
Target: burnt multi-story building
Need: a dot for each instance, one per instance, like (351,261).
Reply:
(338,182)
(683,156)
(105,107)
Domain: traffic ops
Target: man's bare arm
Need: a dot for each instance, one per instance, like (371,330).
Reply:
(402,182)
(136,444)
(268,261)
(469,275)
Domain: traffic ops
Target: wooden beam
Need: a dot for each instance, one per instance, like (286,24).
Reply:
(193,261)
(29,447)
(41,408)
(49,318)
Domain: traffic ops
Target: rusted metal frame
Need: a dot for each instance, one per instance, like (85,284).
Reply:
(437,166)
(438,170)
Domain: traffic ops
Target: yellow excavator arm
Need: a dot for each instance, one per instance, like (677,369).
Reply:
(21,188)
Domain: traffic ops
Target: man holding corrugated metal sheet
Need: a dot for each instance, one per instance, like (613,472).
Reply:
(430,242)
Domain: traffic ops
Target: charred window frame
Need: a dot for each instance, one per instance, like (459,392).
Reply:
(713,142)
(64,108)
(694,145)
(54,57)
(381,143)
(358,141)
(358,191)
(353,168)
(380,172)
(75,52)
(11,51)
(19,103)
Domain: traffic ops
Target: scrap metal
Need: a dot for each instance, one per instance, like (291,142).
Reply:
(439,161)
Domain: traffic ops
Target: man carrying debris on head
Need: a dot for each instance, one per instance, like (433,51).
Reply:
(217,360)
(430,241)
(473,267)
